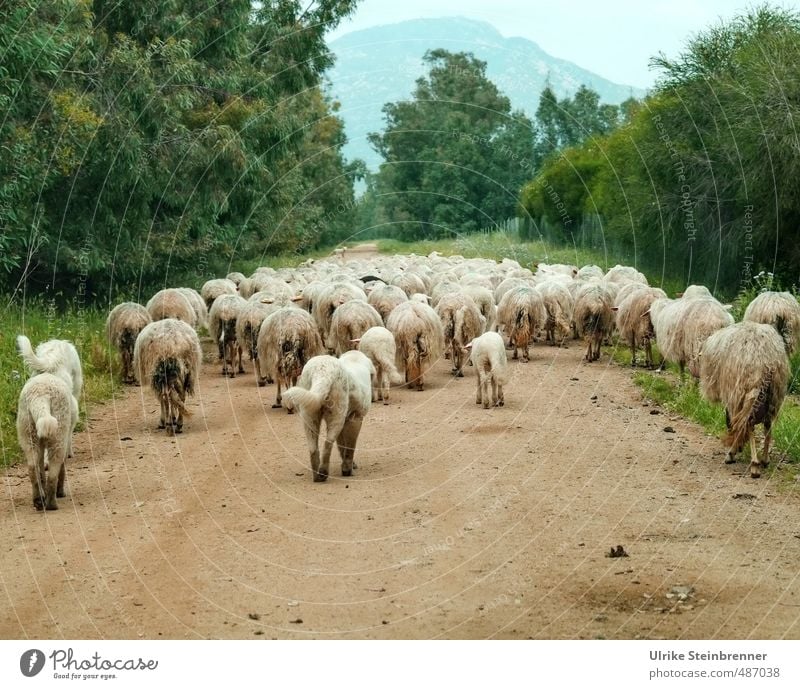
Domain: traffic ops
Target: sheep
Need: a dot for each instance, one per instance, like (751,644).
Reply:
(248,324)
(235,277)
(634,323)
(216,288)
(420,298)
(333,296)
(222,325)
(521,312)
(622,274)
(590,272)
(337,392)
(287,339)
(350,321)
(745,367)
(410,283)
(419,336)
(378,344)
(683,325)
(782,312)
(123,326)
(58,357)
(488,356)
(462,322)
(484,300)
(199,306)
(168,355)
(559,305)
(385,297)
(593,317)
(47,412)
(171,303)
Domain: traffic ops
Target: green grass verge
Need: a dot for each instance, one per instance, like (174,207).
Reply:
(85,328)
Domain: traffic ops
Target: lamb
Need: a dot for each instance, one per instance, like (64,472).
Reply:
(58,357)
(745,367)
(559,305)
(287,340)
(123,326)
(782,312)
(216,288)
(337,392)
(46,416)
(248,325)
(385,297)
(462,322)
(593,317)
(171,303)
(488,356)
(521,312)
(419,336)
(222,325)
(349,322)
(168,355)
(379,346)
(634,324)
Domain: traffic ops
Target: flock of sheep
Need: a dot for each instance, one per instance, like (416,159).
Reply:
(332,337)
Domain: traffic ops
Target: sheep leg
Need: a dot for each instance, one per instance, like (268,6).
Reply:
(485,384)
(633,353)
(37,475)
(347,444)
(377,386)
(755,465)
(588,355)
(324,465)
(179,420)
(500,399)
(164,411)
(312,440)
(767,440)
(239,350)
(221,352)
(62,474)
(525,355)
(51,483)
(730,455)
(261,380)
(277,404)
(478,394)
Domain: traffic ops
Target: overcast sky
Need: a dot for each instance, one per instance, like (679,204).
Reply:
(613,38)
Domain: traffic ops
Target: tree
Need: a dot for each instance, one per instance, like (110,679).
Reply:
(455,154)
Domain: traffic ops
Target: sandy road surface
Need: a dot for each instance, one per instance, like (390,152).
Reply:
(459,523)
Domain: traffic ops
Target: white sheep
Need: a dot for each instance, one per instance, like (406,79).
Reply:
(488,356)
(123,326)
(199,306)
(167,355)
(781,311)
(46,416)
(744,366)
(328,300)
(337,392)
(634,323)
(171,303)
(248,325)
(521,313)
(419,336)
(379,346)
(58,357)
(222,326)
(349,322)
(559,305)
(386,297)
(287,340)
(593,316)
(212,289)
(461,322)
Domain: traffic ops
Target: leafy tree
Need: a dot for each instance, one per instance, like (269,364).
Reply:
(455,154)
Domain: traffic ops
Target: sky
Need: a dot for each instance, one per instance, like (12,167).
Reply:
(613,38)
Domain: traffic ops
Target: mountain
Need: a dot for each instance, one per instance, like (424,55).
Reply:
(380,65)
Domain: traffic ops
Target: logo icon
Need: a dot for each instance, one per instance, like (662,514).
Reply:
(31,662)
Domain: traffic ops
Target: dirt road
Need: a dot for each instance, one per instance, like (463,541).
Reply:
(460,522)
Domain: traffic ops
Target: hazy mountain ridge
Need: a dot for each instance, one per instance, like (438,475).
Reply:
(380,64)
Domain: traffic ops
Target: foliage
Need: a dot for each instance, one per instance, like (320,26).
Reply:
(455,154)
(154,138)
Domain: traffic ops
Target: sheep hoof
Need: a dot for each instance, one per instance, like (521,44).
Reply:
(501,403)
(38,503)
(290,411)
(52,506)
(385,403)
(161,425)
(320,477)
(730,459)
(485,405)
(261,382)
(179,429)
(61,493)
(277,405)
(241,369)
(460,374)
(755,472)
(347,472)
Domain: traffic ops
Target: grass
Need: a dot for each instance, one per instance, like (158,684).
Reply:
(40,321)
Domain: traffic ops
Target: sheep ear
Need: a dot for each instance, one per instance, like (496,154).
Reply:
(727,307)
(646,313)
(615,308)
(356,341)
(267,301)
(297,298)
(678,295)
(468,346)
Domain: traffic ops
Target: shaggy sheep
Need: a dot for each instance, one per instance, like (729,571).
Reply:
(462,322)
(410,283)
(419,336)
(484,300)
(46,416)
(58,357)
(167,354)
(594,317)
(745,367)
(420,298)
(199,306)
(349,322)
(634,324)
(333,296)
(216,288)
(235,277)
(287,340)
(559,305)
(222,326)
(337,392)
(248,325)
(488,356)
(521,312)
(385,297)
(622,274)
(683,325)
(171,303)
(591,272)
(123,326)
(782,312)
(379,346)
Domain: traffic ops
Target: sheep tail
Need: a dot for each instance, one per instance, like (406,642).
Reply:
(46,423)
(458,327)
(33,362)
(742,419)
(387,364)
(308,400)
(177,402)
